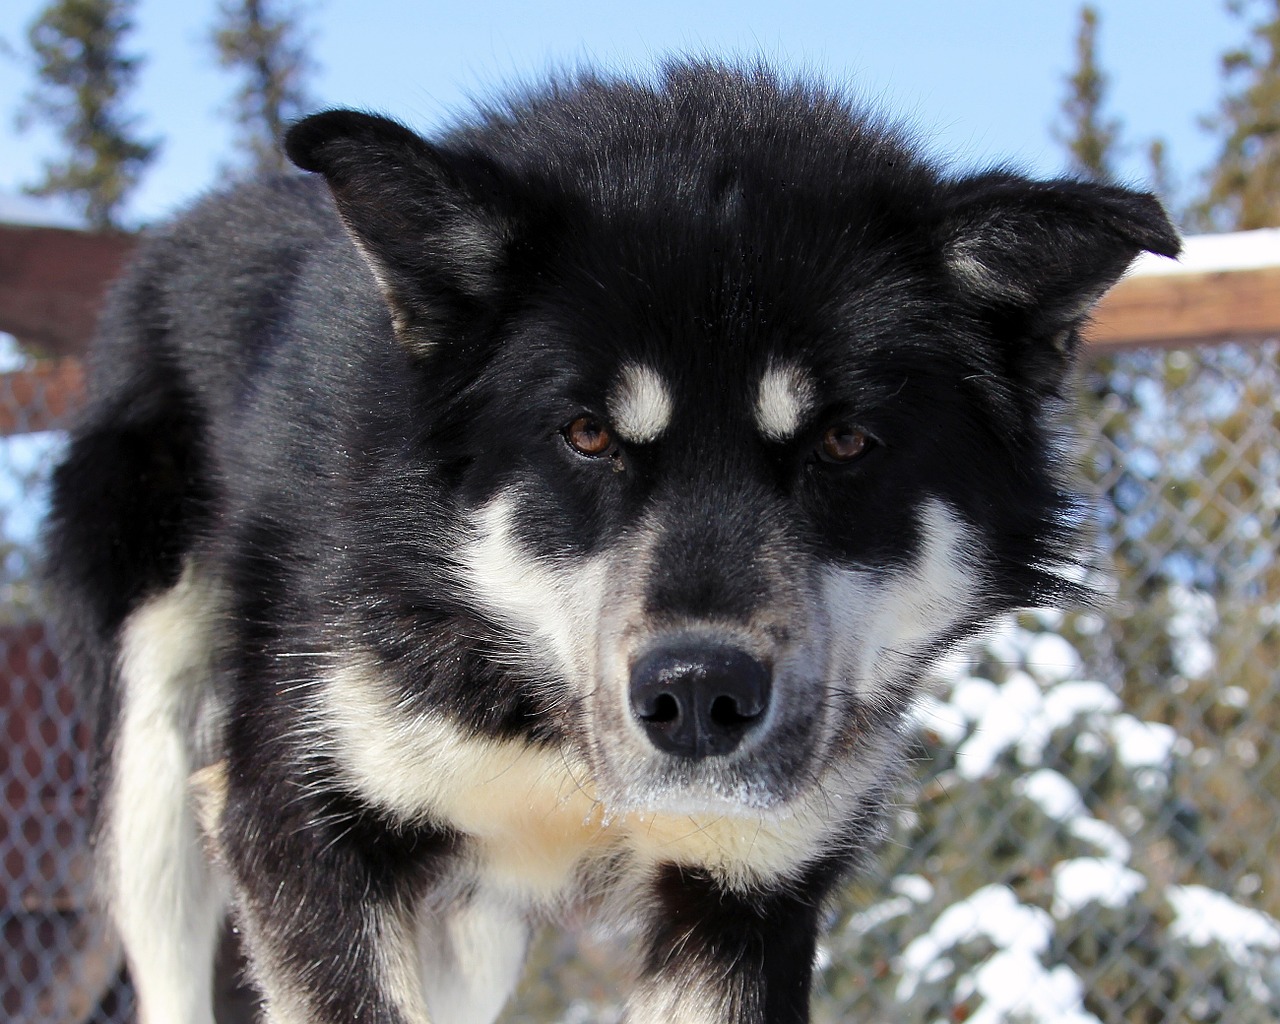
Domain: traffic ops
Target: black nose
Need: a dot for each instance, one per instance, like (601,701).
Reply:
(698,700)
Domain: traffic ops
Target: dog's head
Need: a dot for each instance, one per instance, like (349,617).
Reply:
(747,410)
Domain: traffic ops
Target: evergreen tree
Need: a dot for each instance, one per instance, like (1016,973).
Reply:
(83,77)
(263,41)
(1159,173)
(1243,188)
(1090,139)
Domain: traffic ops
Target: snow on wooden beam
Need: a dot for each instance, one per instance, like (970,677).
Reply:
(1223,287)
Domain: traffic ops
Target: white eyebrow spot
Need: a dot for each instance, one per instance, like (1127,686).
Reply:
(785,398)
(639,404)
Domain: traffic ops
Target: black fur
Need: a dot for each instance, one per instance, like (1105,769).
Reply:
(312,423)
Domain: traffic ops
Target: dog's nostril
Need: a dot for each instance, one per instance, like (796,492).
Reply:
(726,712)
(665,709)
(697,701)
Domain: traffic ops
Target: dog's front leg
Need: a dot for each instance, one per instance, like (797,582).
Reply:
(714,955)
(327,897)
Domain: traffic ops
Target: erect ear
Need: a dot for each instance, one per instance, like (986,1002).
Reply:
(431,223)
(1032,257)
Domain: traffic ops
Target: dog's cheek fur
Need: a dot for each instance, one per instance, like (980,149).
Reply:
(548,612)
(890,625)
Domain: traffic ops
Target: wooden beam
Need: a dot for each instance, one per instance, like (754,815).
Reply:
(1168,310)
(52,282)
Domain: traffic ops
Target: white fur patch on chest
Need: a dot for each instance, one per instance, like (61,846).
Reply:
(785,399)
(639,404)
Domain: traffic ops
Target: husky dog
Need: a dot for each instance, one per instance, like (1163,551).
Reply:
(559,513)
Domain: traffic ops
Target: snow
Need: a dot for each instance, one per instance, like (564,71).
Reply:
(1103,836)
(1142,744)
(877,914)
(1085,880)
(992,912)
(1068,701)
(1012,982)
(1006,716)
(1052,792)
(914,887)
(30,211)
(999,956)
(11,355)
(912,890)
(971,697)
(1053,659)
(1234,697)
(1203,254)
(1019,713)
(1000,959)
(931,715)
(1191,626)
(1055,795)
(1251,938)
(1014,985)
(1203,916)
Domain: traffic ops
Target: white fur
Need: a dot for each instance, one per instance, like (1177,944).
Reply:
(879,626)
(965,260)
(640,405)
(678,1000)
(784,400)
(552,606)
(167,904)
(471,960)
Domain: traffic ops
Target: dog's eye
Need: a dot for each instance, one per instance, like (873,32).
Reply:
(844,443)
(589,436)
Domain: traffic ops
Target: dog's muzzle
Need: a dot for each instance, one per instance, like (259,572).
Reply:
(697,700)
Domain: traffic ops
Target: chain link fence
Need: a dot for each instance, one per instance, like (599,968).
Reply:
(57,961)
(1092,830)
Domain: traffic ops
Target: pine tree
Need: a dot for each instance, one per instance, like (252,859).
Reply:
(1243,188)
(263,41)
(1159,173)
(83,77)
(1090,139)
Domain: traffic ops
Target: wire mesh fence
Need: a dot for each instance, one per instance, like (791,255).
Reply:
(1092,833)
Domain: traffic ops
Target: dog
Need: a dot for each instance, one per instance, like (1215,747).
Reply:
(559,514)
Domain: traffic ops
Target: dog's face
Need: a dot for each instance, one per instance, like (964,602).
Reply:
(722,527)
(744,429)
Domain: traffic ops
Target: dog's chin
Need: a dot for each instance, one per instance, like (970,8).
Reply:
(720,787)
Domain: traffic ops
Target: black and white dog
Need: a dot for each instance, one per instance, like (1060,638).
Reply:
(562,512)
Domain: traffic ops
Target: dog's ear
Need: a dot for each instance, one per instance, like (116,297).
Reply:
(432,224)
(1033,257)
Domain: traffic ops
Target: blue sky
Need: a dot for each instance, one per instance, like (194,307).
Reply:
(980,79)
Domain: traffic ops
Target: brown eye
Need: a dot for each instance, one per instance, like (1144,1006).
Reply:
(843,443)
(589,436)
